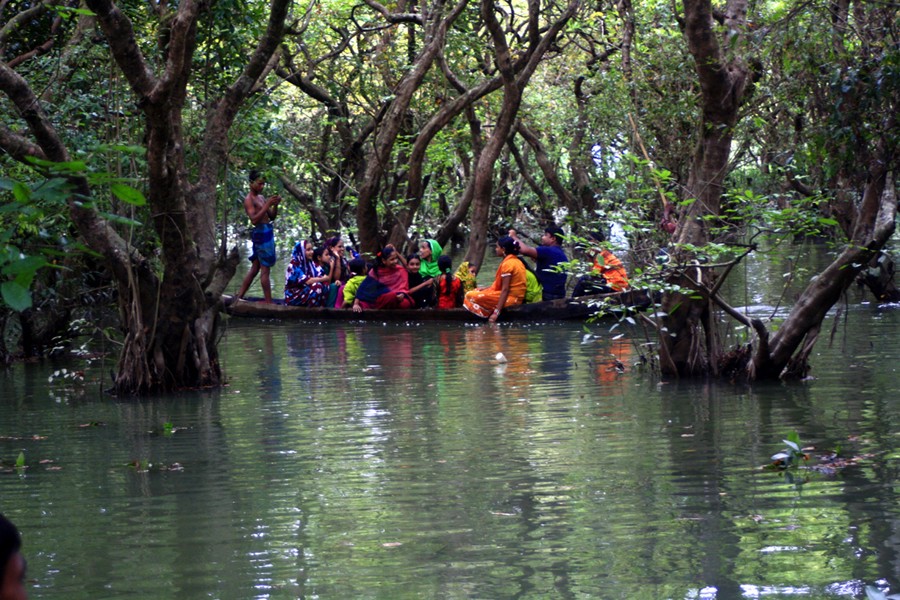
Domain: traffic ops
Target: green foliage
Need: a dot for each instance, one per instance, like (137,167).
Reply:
(35,214)
(793,455)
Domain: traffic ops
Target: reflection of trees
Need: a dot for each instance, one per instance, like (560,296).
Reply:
(701,485)
(171,520)
(546,477)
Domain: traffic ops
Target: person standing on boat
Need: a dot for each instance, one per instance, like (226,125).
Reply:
(546,257)
(305,282)
(429,252)
(508,288)
(12,564)
(608,274)
(261,211)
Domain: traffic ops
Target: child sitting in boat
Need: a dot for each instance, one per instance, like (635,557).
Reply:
(331,267)
(422,294)
(467,274)
(357,268)
(449,287)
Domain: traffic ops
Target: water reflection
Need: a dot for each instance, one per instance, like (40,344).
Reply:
(405,460)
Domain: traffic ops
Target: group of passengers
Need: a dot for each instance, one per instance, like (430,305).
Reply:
(323,277)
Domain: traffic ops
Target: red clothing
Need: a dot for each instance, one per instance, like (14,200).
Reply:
(396,280)
(452,297)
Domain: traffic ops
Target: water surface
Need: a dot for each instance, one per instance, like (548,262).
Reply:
(406,461)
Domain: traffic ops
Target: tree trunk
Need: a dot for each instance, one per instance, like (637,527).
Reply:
(687,347)
(565,197)
(366,208)
(170,321)
(415,189)
(514,82)
(873,228)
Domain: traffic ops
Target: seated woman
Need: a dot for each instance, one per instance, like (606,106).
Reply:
(422,294)
(449,287)
(386,286)
(608,274)
(305,283)
(508,288)
(429,251)
(330,263)
(335,247)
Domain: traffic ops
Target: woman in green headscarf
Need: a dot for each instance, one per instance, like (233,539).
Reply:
(429,251)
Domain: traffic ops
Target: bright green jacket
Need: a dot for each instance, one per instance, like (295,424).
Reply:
(350,289)
(534,291)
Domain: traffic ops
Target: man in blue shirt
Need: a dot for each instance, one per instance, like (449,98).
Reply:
(546,257)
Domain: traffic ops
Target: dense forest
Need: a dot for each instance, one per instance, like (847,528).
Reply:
(128,128)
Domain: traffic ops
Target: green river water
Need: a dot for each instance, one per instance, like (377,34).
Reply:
(348,461)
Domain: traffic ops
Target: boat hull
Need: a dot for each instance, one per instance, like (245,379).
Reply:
(552,310)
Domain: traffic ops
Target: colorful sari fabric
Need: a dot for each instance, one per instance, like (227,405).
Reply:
(385,287)
(483,302)
(534,291)
(297,289)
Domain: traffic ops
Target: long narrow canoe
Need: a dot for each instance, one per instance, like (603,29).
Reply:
(552,310)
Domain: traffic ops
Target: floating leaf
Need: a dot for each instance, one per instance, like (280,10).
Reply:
(20,461)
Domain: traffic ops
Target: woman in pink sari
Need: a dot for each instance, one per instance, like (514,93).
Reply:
(386,286)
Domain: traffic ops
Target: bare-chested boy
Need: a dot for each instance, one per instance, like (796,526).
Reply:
(262,211)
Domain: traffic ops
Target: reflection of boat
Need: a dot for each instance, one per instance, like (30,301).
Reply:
(552,310)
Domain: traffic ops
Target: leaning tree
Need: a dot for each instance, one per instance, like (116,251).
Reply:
(169,296)
(864,75)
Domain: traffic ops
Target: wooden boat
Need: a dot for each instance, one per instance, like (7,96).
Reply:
(551,310)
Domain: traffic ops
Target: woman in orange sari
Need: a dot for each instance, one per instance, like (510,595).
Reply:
(508,288)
